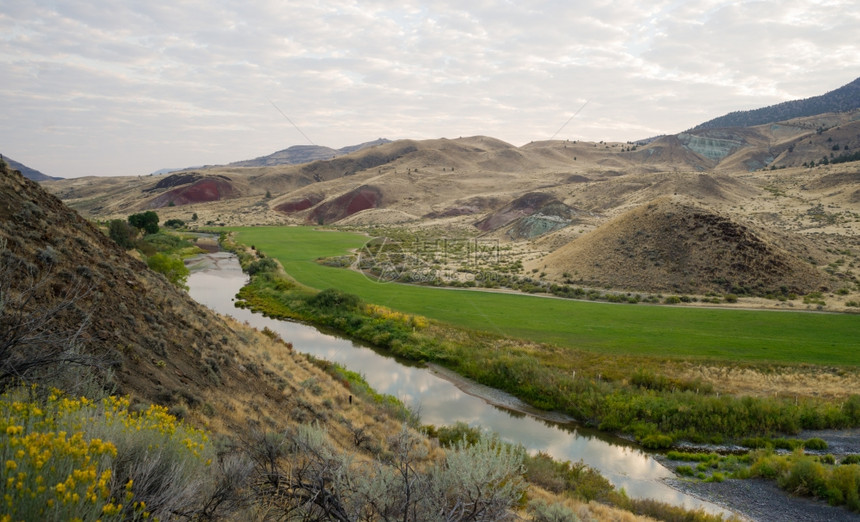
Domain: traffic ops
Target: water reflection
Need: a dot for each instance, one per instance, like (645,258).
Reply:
(218,278)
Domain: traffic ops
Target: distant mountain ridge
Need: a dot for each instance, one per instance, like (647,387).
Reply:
(28,173)
(298,154)
(843,99)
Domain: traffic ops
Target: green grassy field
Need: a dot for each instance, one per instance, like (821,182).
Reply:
(737,335)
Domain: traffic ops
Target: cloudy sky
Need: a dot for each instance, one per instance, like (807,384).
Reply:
(124,87)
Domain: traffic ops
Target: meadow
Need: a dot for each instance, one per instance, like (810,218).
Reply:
(628,329)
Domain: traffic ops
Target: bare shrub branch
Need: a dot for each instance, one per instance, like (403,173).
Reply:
(41,322)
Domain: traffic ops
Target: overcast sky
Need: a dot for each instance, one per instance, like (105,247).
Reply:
(125,87)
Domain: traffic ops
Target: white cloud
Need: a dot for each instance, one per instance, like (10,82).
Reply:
(126,87)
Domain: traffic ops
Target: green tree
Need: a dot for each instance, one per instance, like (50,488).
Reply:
(171,266)
(147,221)
(174,223)
(121,232)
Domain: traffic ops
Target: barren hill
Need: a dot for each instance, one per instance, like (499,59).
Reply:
(161,343)
(298,154)
(670,245)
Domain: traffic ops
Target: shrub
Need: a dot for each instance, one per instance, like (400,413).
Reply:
(685,471)
(334,298)
(769,466)
(122,233)
(301,473)
(575,479)
(657,441)
(543,512)
(266,264)
(843,487)
(730,298)
(449,436)
(170,266)
(815,444)
(72,458)
(716,477)
(174,223)
(804,477)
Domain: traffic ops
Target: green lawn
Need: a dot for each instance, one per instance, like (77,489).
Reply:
(608,328)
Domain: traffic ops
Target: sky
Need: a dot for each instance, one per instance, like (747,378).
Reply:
(124,87)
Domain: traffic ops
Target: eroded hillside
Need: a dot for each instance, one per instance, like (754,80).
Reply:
(786,179)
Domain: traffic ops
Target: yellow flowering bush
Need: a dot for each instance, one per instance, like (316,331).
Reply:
(383,312)
(64,458)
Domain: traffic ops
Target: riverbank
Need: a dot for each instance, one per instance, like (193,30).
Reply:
(760,500)
(756,500)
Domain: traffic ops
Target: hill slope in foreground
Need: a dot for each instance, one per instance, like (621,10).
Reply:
(161,346)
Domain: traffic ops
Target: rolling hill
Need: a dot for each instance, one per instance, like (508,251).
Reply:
(298,154)
(795,177)
(28,173)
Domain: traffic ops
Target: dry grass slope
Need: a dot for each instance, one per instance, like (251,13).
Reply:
(670,245)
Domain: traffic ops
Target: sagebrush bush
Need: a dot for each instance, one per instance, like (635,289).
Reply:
(543,512)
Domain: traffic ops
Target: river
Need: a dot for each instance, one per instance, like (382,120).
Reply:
(443,398)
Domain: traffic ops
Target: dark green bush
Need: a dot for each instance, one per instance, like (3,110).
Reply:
(850,459)
(266,264)
(122,233)
(334,298)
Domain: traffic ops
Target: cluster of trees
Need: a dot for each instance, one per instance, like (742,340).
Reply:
(843,158)
(125,231)
(127,234)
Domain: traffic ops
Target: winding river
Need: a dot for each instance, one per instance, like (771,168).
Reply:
(444,398)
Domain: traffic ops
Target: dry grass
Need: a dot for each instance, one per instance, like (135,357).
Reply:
(586,510)
(803,381)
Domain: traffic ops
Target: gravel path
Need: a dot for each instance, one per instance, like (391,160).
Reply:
(762,501)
